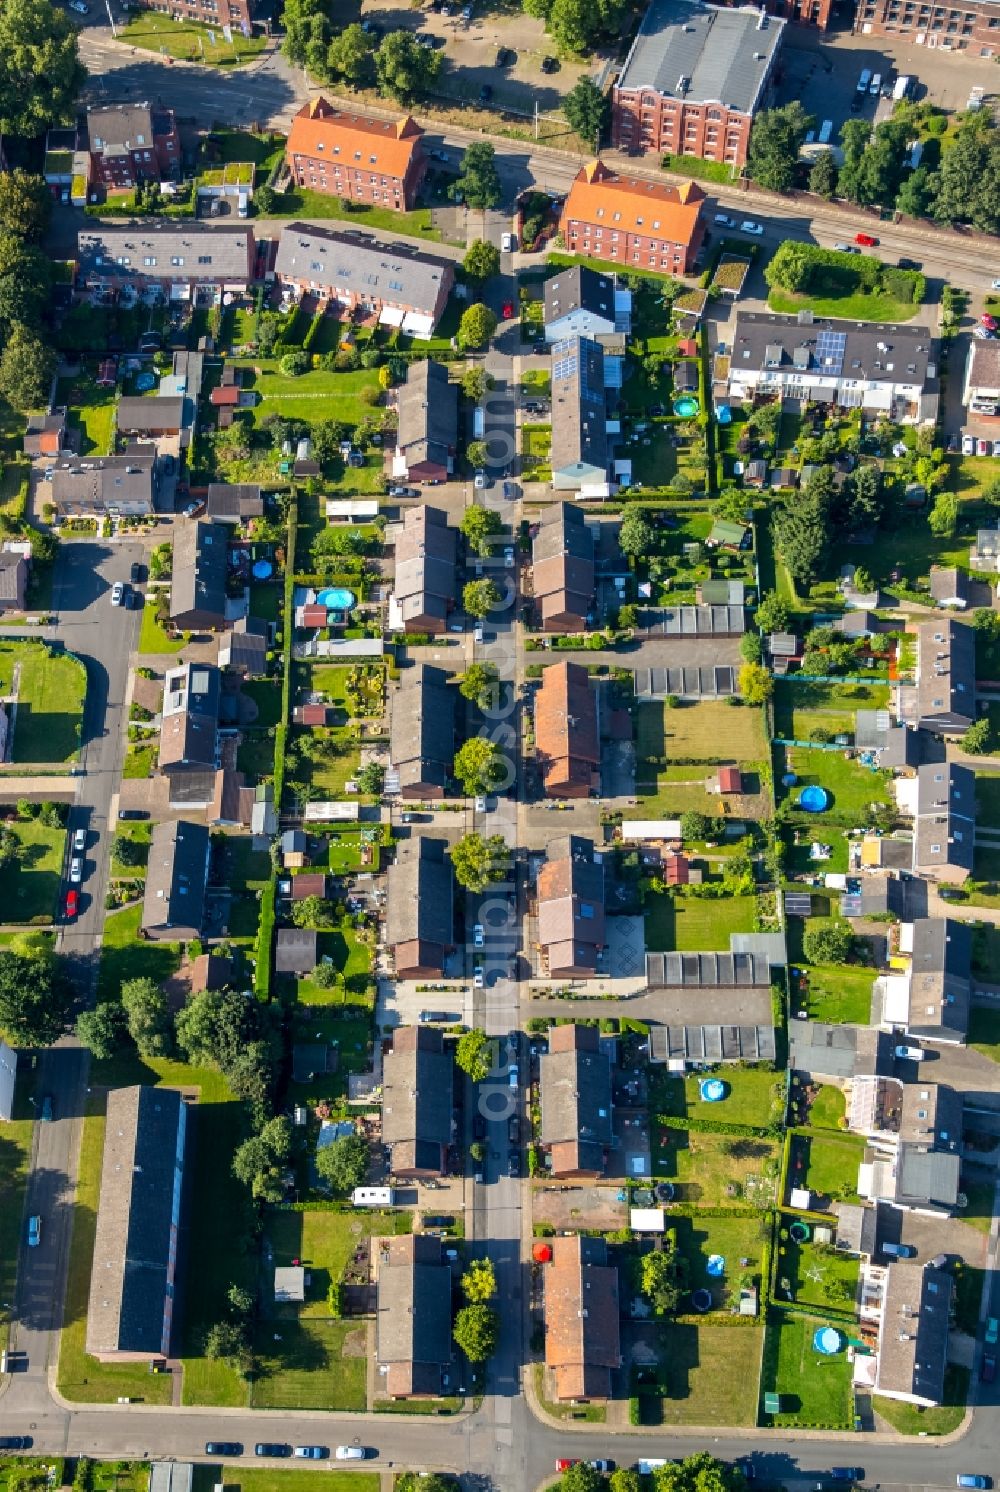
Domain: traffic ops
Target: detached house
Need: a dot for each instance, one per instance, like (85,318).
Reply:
(425,585)
(420,915)
(579,454)
(129,143)
(576,1102)
(582,1344)
(47,434)
(567,738)
(417,1079)
(354,156)
(422,733)
(427,434)
(887,370)
(570,909)
(190,718)
(563,569)
(198,577)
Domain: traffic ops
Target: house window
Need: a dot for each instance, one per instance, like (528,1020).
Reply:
(149,261)
(935,849)
(177,259)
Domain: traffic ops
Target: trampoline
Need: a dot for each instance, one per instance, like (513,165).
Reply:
(702,1301)
(712,1090)
(814,799)
(716,1266)
(724,414)
(827,1341)
(336,599)
(686,406)
(789,779)
(800,1232)
(262,569)
(144,382)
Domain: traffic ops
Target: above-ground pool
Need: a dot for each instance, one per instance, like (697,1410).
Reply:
(686,406)
(828,1341)
(800,1232)
(262,569)
(814,799)
(336,599)
(702,1300)
(724,414)
(145,382)
(716,1266)
(712,1090)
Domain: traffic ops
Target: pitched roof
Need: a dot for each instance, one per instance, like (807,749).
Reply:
(579,408)
(563,569)
(913,1343)
(100,482)
(234,501)
(190,715)
(575,1078)
(118,127)
(425,582)
(940,986)
(931,1114)
(295,950)
(833,348)
(566,732)
(354,140)
(198,577)
(949,583)
(427,405)
(159,251)
(703,54)
(387,273)
(134,1242)
(420,895)
(580,288)
(944,829)
(582,1345)
(946,671)
(422,733)
(155,412)
(631,205)
(570,897)
(413,1315)
(245,645)
(176,875)
(13,573)
(417,1076)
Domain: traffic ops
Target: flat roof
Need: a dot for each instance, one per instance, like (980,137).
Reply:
(701,53)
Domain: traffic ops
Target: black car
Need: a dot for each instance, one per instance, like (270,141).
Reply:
(550,65)
(15,1442)
(133,813)
(514,1129)
(910,264)
(505,57)
(437,1220)
(223,1448)
(271,1448)
(137,573)
(479,1126)
(514,1163)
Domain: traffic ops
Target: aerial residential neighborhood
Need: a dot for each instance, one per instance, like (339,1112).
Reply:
(499,745)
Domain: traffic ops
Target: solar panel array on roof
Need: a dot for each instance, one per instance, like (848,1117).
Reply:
(798,904)
(565,365)
(830,347)
(712,1043)
(706,970)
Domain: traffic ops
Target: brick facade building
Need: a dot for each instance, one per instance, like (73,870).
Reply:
(129,143)
(209,12)
(356,157)
(631,222)
(971,26)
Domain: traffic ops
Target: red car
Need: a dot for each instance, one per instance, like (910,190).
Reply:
(72,903)
(866,240)
(564,1465)
(990,322)
(508,310)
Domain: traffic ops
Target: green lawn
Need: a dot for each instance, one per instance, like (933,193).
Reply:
(139,761)
(829,1164)
(705,730)
(695,924)
(536,449)
(316,1365)
(300,202)
(943,1419)
(335,756)
(827,1108)
(813,1279)
(152,637)
(979,1211)
(734,1238)
(710,1374)
(324,1242)
(188,41)
(753,1097)
(857,307)
(124,955)
(246,872)
(840,994)
(984,1031)
(91,411)
(256,1479)
(266,695)
(314,396)
(851,786)
(693,166)
(815,1390)
(29,887)
(801,708)
(711,1170)
(50,697)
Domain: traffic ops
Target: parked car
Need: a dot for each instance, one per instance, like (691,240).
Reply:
(564,1463)
(973,1479)
(749,226)
(271,1448)
(910,1053)
(899,1250)
(847,1473)
(508,556)
(905,263)
(223,1448)
(992,1331)
(350,1453)
(846,248)
(133,813)
(866,240)
(481,804)
(514,1163)
(512,1075)
(724,220)
(479,936)
(72,902)
(511,490)
(508,243)
(478,635)
(404,492)
(551,65)
(438,1220)
(45,1109)
(312,1452)
(435,1017)
(80,839)
(80,6)
(995,284)
(15,1442)
(983,333)
(506,57)
(514,1130)
(137,574)
(602,1465)
(76,870)
(988,1367)
(118,594)
(480,480)
(478,977)
(34,1232)
(508,309)
(968,445)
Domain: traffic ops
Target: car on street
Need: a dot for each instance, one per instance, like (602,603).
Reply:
(847,1473)
(72,902)
(76,870)
(478,977)
(995,284)
(866,240)
(723,220)
(271,1448)
(512,1075)
(80,840)
(478,635)
(508,309)
(968,445)
(565,1462)
(80,6)
(350,1453)
(508,243)
(990,322)
(899,1250)
(506,57)
(910,1053)
(404,492)
(602,1465)
(988,1367)
(137,573)
(747,1467)
(846,248)
(34,1232)
(45,1110)
(514,1163)
(223,1448)
(118,594)
(974,1480)
(15,1442)
(480,480)
(508,556)
(992,1331)
(312,1452)
(430,1017)
(905,263)
(749,226)
(479,936)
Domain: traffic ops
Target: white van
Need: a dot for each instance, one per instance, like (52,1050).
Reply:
(875,88)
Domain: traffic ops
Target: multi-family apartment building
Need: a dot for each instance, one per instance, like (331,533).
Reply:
(355,156)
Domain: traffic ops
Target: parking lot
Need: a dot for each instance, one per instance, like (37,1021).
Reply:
(471,47)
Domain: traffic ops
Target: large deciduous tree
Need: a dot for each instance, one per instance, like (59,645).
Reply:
(25,205)
(34,999)
(149,1023)
(344,1164)
(775,142)
(26,368)
(40,69)
(405,70)
(478,182)
(477,862)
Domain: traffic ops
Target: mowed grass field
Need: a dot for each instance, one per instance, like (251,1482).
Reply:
(815,1390)
(695,924)
(29,886)
(51,690)
(711,1374)
(708,730)
(315,395)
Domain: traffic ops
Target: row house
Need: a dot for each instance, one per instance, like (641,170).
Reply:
(356,157)
(185,263)
(130,143)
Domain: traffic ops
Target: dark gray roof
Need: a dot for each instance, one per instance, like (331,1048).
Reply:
(425,583)
(940,978)
(856,1227)
(387,273)
(428,415)
(576,1095)
(688,682)
(97,484)
(836,1051)
(295,951)
(874,895)
(763,340)
(563,569)
(13,571)
(712,1043)
(913,1344)
(945,694)
(160,251)
(135,1243)
(706,970)
(176,876)
(420,893)
(703,54)
(579,288)
(157,412)
(579,411)
(417,1079)
(944,829)
(198,577)
(949,582)
(230,502)
(897,746)
(422,734)
(931,1115)
(413,1316)
(118,127)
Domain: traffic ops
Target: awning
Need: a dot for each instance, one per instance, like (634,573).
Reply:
(391,316)
(180,292)
(417,325)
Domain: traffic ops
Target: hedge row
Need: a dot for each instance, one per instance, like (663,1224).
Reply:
(716,1127)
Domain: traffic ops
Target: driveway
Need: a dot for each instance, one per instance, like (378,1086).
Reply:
(579,1205)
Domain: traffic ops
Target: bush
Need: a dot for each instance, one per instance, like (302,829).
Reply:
(294,364)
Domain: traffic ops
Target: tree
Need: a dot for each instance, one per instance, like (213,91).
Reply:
(482,259)
(344,1164)
(34,1002)
(978,739)
(696,826)
(823,176)
(349,55)
(103,1029)
(479,1282)
(478,182)
(307,33)
(477,1331)
(476,452)
(775,142)
(474,1054)
(128,851)
(405,70)
(476,327)
(477,861)
(772,613)
(478,766)
(828,943)
(11,847)
(25,281)
(854,137)
(371,779)
(659,1283)
(802,528)
(480,597)
(229,1341)
(916,196)
(587,110)
(312,911)
(577,25)
(40,69)
(582,1477)
(967,187)
(149,1022)
(943,517)
(261,1161)
(756,684)
(25,204)
(26,369)
(478,683)
(480,525)
(635,536)
(476,382)
(625,1479)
